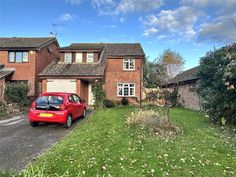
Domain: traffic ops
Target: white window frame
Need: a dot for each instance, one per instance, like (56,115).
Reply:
(123,86)
(65,58)
(90,54)
(79,57)
(129,61)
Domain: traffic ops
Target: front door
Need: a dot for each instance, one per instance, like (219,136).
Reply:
(90,94)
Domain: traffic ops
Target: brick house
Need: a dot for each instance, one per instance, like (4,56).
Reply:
(185,84)
(22,59)
(119,65)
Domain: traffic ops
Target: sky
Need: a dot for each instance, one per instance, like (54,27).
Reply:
(190,27)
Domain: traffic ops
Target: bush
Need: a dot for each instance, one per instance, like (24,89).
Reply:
(108,104)
(124,101)
(217,84)
(171,97)
(99,94)
(153,121)
(17,93)
(152,96)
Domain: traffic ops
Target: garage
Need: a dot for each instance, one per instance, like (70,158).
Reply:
(61,85)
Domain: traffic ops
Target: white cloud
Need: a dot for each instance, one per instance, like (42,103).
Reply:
(114,7)
(161,36)
(76,2)
(122,19)
(66,17)
(150,32)
(222,30)
(99,3)
(180,21)
(110,26)
(127,6)
(222,7)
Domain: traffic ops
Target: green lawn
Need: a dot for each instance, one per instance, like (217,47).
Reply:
(104,146)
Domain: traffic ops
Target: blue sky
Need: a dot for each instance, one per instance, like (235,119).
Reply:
(190,27)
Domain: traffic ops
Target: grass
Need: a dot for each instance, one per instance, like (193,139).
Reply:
(104,146)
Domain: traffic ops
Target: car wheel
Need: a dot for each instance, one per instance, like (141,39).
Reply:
(34,124)
(84,113)
(68,122)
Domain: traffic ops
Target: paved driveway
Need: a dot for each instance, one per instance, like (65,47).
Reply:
(20,143)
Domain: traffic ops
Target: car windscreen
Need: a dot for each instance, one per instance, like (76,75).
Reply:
(49,102)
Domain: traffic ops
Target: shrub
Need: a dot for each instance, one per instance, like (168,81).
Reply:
(153,121)
(124,101)
(99,94)
(17,93)
(217,84)
(108,104)
(171,97)
(152,96)
(3,107)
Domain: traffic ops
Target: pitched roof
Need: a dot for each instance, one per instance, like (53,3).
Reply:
(114,49)
(4,72)
(185,76)
(26,43)
(57,68)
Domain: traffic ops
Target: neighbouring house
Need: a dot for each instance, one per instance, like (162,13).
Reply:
(23,58)
(185,84)
(118,65)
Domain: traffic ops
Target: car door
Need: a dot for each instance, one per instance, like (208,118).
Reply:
(79,107)
(72,106)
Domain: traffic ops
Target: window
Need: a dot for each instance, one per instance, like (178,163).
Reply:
(89,57)
(25,57)
(18,57)
(128,64)
(68,57)
(125,89)
(76,98)
(78,57)
(11,56)
(71,99)
(49,102)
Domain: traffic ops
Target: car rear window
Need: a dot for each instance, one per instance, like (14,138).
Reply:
(49,102)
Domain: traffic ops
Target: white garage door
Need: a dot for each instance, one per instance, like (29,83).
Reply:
(61,85)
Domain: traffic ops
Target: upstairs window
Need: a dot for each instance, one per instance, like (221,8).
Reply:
(68,58)
(125,89)
(90,57)
(11,57)
(78,57)
(128,64)
(18,57)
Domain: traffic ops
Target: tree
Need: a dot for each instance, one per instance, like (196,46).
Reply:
(154,74)
(172,61)
(217,84)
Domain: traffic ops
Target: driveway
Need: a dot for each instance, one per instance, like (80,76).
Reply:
(20,143)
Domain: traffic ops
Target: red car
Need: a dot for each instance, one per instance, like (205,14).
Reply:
(57,107)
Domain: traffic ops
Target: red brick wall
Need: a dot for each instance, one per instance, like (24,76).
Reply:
(38,60)
(43,59)
(44,85)
(114,74)
(23,71)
